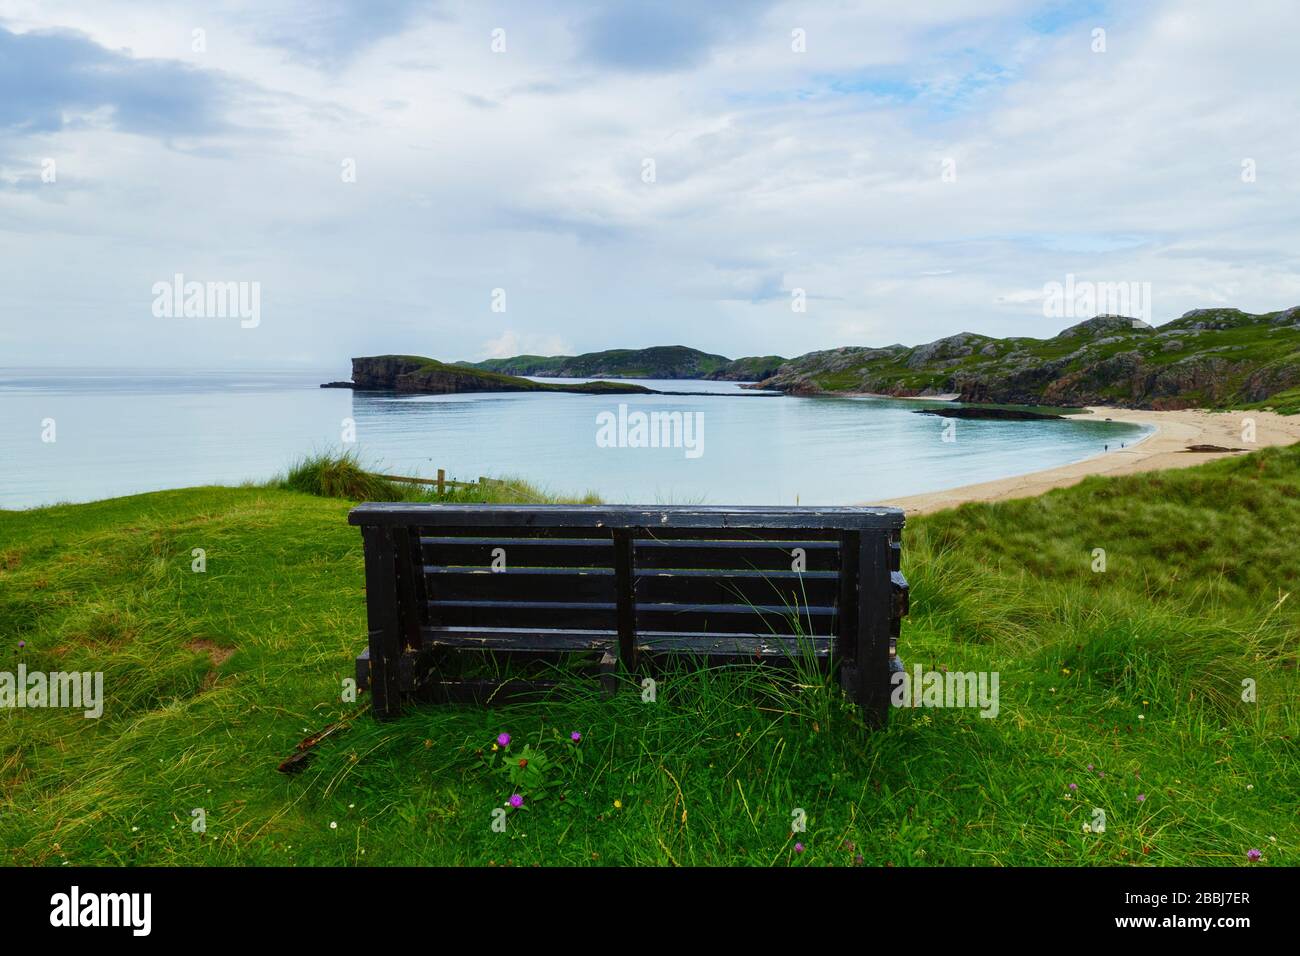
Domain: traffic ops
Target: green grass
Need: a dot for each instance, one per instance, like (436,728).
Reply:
(1284,403)
(343,475)
(213,678)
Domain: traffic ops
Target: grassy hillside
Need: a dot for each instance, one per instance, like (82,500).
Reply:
(662,362)
(1119,690)
(1207,358)
(667,361)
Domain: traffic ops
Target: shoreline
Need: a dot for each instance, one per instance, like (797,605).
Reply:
(1164,447)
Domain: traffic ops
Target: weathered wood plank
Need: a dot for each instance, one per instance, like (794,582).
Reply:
(846,647)
(624,595)
(737,555)
(624,516)
(788,588)
(875,602)
(383,622)
(515,585)
(541,614)
(735,618)
(518,641)
(521,639)
(516,552)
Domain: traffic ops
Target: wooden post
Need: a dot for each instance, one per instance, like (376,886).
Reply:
(442,482)
(875,603)
(625,598)
(383,622)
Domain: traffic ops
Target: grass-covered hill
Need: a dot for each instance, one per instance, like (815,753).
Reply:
(664,361)
(416,374)
(1120,690)
(1207,358)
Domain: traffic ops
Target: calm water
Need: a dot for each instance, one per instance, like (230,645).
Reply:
(122,432)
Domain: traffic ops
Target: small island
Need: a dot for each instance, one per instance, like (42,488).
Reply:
(417,375)
(990,413)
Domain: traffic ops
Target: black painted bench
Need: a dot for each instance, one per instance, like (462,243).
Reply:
(628,585)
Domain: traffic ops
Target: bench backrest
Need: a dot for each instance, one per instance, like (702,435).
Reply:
(742,582)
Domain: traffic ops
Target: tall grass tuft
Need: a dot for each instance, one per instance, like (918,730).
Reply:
(339,476)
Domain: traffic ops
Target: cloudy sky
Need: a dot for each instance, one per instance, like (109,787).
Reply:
(630,174)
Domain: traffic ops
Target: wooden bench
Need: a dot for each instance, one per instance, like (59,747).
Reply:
(628,585)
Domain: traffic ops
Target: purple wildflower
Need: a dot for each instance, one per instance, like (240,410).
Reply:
(1142,797)
(503,740)
(516,801)
(1253,855)
(1074,786)
(1090,766)
(798,848)
(575,736)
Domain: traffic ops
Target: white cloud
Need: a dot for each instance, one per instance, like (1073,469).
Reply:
(510,343)
(774,170)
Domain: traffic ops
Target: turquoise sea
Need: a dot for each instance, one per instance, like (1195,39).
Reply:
(122,431)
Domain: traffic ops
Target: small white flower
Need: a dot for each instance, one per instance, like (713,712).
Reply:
(133,829)
(1250,786)
(1272,839)
(351,805)
(1142,716)
(333,825)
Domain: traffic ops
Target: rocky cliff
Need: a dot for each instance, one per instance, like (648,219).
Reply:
(415,374)
(1206,358)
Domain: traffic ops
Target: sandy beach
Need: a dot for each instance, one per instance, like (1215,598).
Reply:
(1164,448)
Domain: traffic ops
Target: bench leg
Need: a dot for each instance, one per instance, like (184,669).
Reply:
(383,620)
(874,611)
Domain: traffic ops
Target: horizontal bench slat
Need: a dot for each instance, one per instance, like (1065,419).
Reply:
(734,618)
(669,536)
(740,555)
(519,639)
(537,553)
(522,586)
(518,572)
(537,614)
(506,541)
(742,587)
(531,640)
(734,645)
(623,516)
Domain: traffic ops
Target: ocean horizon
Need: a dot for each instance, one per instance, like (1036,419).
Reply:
(76,435)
